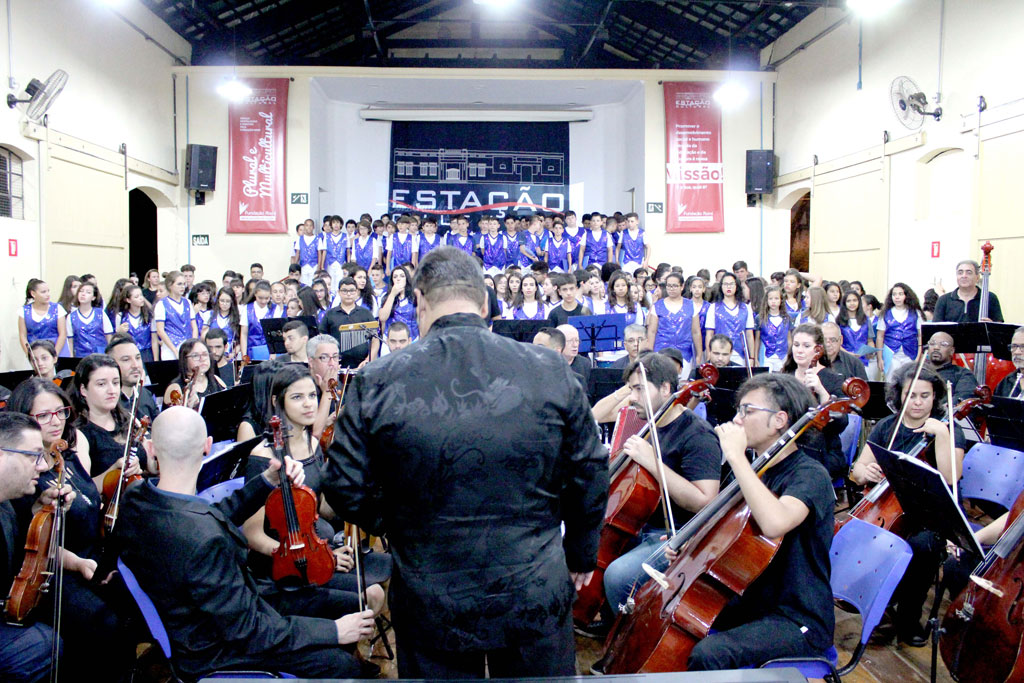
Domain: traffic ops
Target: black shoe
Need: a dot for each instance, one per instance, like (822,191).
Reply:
(368,669)
(914,636)
(598,630)
(597,668)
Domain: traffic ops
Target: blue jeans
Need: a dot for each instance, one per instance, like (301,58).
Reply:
(25,652)
(625,576)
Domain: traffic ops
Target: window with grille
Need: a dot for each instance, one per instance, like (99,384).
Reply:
(12,192)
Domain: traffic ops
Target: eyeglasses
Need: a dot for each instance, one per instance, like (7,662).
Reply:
(47,416)
(1016,347)
(329,359)
(198,356)
(744,408)
(37,456)
(944,345)
(833,340)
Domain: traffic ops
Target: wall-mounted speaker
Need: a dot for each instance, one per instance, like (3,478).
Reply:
(200,167)
(760,171)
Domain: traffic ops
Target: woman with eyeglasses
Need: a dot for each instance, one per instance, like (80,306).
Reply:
(90,625)
(95,396)
(196,375)
(672,324)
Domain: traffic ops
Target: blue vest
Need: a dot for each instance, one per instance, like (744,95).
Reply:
(255,336)
(558,254)
(335,249)
(632,249)
(901,335)
(401,249)
(363,255)
(223,323)
(427,246)
(308,252)
(733,325)
(775,338)
(512,247)
(404,310)
(674,329)
(520,314)
(89,336)
(853,341)
(494,251)
(178,326)
(141,332)
(45,328)
(596,250)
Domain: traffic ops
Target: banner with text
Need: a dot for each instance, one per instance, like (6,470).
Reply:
(694,174)
(256,158)
(444,169)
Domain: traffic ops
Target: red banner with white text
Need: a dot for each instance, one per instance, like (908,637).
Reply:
(256,158)
(694,173)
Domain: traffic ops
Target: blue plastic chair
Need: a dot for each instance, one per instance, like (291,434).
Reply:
(159,633)
(993,473)
(867,565)
(222,490)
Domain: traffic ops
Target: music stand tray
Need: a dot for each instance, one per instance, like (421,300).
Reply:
(520,330)
(1004,418)
(14,378)
(220,467)
(991,338)
(923,495)
(223,410)
(273,331)
(732,376)
(602,332)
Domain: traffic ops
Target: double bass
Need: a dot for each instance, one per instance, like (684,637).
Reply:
(634,493)
(987,369)
(983,630)
(721,553)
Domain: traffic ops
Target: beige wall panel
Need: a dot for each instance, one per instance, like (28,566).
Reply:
(1001,219)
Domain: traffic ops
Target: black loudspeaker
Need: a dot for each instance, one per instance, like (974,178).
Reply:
(760,171)
(201,167)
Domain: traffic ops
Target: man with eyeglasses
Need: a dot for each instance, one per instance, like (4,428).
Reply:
(123,350)
(940,352)
(633,336)
(24,650)
(963,304)
(1012,386)
(844,363)
(348,312)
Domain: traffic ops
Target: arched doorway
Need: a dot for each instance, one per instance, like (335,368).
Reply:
(142,244)
(800,234)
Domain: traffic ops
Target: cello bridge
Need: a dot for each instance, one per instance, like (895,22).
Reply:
(628,607)
(966,613)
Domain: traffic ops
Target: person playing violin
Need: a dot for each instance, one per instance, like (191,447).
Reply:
(24,650)
(692,458)
(925,408)
(90,624)
(196,375)
(190,558)
(787,611)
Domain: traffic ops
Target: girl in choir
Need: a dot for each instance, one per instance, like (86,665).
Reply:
(115,300)
(336,245)
(41,318)
(817,310)
(173,317)
(773,331)
(733,318)
(514,284)
(365,249)
(254,343)
(250,289)
(196,378)
(367,298)
(69,297)
(639,297)
(559,256)
(672,323)
(149,285)
(44,360)
(278,299)
(898,332)
(200,297)
(135,317)
(621,300)
(97,298)
(793,288)
(293,309)
(501,288)
(89,329)
(596,300)
(95,396)
(833,295)
(753,291)
(526,305)
(225,317)
(400,245)
(399,304)
(323,303)
(856,328)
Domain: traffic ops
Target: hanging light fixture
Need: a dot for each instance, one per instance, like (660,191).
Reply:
(233,89)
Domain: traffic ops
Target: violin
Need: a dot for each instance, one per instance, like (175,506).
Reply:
(42,564)
(634,493)
(879,505)
(721,551)
(178,398)
(115,481)
(332,386)
(241,366)
(982,632)
(291,512)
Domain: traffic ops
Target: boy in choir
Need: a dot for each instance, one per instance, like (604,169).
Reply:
(459,236)
(632,250)
(306,252)
(400,244)
(493,248)
(295,334)
(570,306)
(335,248)
(559,254)
(428,240)
(255,272)
(531,243)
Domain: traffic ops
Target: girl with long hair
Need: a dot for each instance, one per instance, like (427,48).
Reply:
(527,305)
(855,327)
(173,318)
(41,318)
(773,331)
(793,288)
(817,310)
(254,343)
(135,317)
(733,318)
(898,332)
(197,376)
(89,329)
(399,303)
(225,317)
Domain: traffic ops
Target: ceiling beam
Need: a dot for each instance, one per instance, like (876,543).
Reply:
(483,43)
(671,24)
(376,36)
(593,34)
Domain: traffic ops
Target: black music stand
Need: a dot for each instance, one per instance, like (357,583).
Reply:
(602,332)
(602,382)
(991,338)
(722,406)
(223,410)
(66,364)
(160,374)
(222,466)
(1004,418)
(876,408)
(733,376)
(246,376)
(273,331)
(520,330)
(14,378)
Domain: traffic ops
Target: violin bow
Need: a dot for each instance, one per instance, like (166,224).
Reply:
(952,439)
(124,457)
(360,578)
(906,402)
(57,533)
(665,505)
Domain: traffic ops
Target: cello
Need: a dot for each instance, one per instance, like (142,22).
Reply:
(987,369)
(982,631)
(634,493)
(721,552)
(291,511)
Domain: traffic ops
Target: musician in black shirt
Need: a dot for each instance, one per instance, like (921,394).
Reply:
(347,312)
(963,304)
(1012,386)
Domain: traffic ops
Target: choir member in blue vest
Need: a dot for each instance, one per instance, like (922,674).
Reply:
(278,300)
(898,332)
(594,295)
(225,317)
(733,318)
(399,303)
(173,317)
(254,343)
(458,236)
(511,240)
(366,250)
(773,330)
(632,251)
(531,244)
(559,250)
(321,298)
(111,309)
(89,329)
(793,288)
(672,324)
(428,240)
(596,245)
(527,304)
(400,246)
(135,318)
(366,297)
(856,327)
(693,290)
(306,251)
(200,297)
(621,299)
(41,318)
(816,311)
(493,246)
(574,233)
(336,248)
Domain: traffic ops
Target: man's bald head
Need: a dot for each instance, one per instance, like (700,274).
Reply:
(179,437)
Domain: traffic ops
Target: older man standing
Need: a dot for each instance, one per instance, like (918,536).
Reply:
(470,450)
(963,303)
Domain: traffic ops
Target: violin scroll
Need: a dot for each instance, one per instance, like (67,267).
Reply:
(709,372)
(857,394)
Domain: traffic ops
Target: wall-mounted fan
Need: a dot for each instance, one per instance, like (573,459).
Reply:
(910,104)
(40,95)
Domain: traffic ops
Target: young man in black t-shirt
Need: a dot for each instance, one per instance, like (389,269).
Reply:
(787,611)
(567,288)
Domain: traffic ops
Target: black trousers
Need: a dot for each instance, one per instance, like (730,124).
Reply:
(929,549)
(751,645)
(553,655)
(309,662)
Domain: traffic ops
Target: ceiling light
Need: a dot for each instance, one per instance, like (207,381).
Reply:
(233,89)
(730,95)
(868,9)
(494,3)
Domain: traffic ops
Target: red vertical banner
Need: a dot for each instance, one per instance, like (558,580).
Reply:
(694,174)
(256,158)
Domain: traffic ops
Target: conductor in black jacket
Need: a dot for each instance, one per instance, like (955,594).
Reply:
(469,450)
(190,558)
